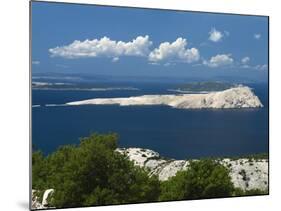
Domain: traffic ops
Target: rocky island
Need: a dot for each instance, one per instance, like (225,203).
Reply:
(237,97)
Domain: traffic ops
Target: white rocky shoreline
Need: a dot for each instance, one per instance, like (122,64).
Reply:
(237,97)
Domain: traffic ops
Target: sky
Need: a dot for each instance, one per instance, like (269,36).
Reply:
(72,38)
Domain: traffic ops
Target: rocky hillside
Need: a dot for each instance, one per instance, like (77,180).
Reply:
(245,173)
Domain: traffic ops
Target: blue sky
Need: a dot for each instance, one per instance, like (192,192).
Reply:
(68,38)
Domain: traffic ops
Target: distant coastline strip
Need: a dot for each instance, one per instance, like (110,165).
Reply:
(98,89)
(189,92)
(36,106)
(54,105)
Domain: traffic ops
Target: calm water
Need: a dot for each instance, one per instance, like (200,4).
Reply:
(175,133)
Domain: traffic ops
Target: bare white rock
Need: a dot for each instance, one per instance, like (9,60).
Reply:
(245,173)
(36,204)
(237,97)
(248,174)
(46,196)
(152,161)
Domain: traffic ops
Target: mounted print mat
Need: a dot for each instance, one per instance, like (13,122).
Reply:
(135,105)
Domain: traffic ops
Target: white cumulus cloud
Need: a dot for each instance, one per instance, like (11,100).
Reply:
(115,59)
(261,67)
(36,62)
(245,60)
(103,47)
(219,60)
(257,36)
(215,35)
(175,51)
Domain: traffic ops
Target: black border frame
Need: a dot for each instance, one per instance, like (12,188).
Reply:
(132,7)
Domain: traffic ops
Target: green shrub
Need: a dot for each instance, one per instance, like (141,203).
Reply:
(39,171)
(203,179)
(240,192)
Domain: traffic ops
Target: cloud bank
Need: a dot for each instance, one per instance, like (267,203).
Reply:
(140,47)
(245,63)
(103,47)
(167,53)
(219,60)
(175,51)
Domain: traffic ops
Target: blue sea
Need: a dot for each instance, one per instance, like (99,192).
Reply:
(174,133)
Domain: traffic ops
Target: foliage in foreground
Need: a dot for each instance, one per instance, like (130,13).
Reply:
(203,179)
(92,173)
(240,192)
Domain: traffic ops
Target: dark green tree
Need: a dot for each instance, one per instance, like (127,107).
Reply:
(203,179)
(39,170)
(94,174)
